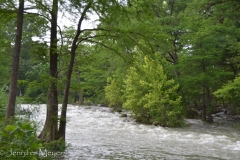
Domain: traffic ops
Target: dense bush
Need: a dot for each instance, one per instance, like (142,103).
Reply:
(19,140)
(113,91)
(230,93)
(150,95)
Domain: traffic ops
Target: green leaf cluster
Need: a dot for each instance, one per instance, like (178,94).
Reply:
(20,137)
(3,104)
(150,95)
(230,92)
(114,92)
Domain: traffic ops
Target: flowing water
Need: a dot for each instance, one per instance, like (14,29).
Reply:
(94,133)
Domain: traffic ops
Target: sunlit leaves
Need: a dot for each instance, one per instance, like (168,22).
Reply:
(114,91)
(150,94)
(230,92)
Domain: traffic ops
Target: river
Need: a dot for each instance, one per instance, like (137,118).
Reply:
(95,133)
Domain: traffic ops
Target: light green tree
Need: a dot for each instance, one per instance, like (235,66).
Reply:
(150,95)
(230,93)
(114,91)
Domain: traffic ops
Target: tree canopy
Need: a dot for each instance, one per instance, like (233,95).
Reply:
(159,59)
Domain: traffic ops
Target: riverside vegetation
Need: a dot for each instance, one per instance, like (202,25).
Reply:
(164,60)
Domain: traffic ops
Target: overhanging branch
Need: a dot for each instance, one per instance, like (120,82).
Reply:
(108,47)
(38,15)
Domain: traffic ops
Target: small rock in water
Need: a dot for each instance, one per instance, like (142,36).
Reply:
(126,120)
(123,115)
(155,123)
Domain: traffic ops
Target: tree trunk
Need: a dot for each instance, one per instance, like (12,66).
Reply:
(63,118)
(204,113)
(62,126)
(80,92)
(204,107)
(15,64)
(81,99)
(209,118)
(50,132)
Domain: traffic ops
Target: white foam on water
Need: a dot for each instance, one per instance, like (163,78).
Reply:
(96,133)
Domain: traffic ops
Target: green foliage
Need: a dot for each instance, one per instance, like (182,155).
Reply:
(92,75)
(35,92)
(230,93)
(3,104)
(150,95)
(94,65)
(6,37)
(210,40)
(200,39)
(19,140)
(20,137)
(35,84)
(114,92)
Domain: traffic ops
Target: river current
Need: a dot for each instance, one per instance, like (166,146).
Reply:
(95,133)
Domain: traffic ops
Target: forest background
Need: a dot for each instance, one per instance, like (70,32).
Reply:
(162,59)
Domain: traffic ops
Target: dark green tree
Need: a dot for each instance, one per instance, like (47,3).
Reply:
(204,61)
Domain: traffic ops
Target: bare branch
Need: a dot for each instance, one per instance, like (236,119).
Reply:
(83,15)
(94,29)
(75,44)
(60,31)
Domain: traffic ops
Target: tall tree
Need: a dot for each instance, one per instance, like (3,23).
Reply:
(83,35)
(50,130)
(168,14)
(207,51)
(15,64)
(62,126)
